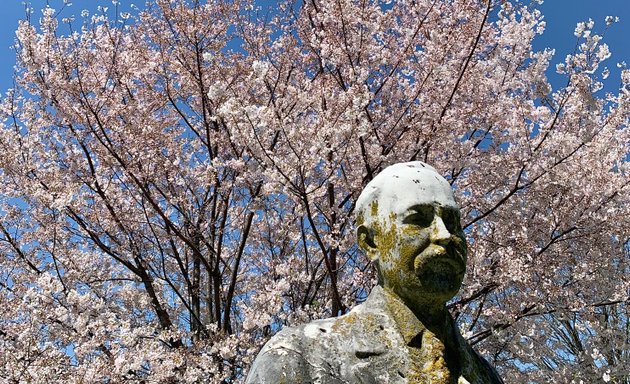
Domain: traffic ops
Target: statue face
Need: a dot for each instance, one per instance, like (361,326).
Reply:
(416,237)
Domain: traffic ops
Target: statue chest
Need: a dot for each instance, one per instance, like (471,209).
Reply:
(380,355)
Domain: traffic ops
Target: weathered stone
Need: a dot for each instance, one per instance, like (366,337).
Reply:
(409,226)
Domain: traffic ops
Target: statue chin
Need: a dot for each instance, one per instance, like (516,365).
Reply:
(439,273)
(440,277)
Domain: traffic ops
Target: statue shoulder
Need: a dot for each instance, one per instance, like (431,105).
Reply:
(288,356)
(326,349)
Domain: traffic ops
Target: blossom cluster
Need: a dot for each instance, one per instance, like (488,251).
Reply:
(177,187)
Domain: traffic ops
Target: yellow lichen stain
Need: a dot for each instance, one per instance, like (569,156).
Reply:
(374,208)
(360,219)
(427,364)
(372,323)
(408,324)
(349,324)
(395,260)
(343,325)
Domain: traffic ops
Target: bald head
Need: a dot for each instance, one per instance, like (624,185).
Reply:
(401,186)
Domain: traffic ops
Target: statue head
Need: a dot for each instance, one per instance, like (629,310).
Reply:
(409,226)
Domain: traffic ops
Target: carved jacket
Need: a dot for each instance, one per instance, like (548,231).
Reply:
(380,341)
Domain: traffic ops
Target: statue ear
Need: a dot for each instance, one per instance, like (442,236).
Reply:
(365,238)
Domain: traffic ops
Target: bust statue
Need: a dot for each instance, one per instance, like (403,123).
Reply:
(409,226)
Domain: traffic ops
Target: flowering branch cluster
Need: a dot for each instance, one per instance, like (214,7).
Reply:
(178,183)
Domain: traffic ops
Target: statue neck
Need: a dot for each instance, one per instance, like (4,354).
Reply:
(428,332)
(413,318)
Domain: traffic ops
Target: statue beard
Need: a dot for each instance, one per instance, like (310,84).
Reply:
(441,269)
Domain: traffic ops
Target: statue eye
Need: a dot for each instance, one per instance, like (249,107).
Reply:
(451,220)
(422,217)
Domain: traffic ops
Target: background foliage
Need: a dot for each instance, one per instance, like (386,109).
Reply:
(179,182)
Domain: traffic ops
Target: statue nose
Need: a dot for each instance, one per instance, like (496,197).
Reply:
(439,232)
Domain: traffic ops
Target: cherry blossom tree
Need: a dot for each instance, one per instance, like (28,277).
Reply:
(178,183)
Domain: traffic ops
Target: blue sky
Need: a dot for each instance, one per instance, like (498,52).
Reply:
(560,15)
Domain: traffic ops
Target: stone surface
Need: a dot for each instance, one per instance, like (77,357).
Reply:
(408,225)
(401,186)
(368,345)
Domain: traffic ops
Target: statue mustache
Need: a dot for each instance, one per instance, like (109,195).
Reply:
(454,252)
